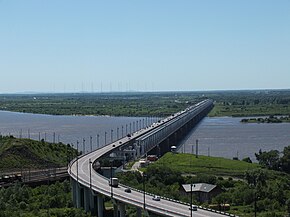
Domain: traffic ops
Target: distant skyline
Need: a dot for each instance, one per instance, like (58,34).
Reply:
(121,46)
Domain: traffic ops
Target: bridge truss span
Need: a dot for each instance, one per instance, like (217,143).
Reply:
(89,187)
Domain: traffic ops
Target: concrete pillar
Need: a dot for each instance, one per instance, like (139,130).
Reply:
(93,203)
(175,137)
(115,210)
(78,196)
(122,210)
(74,191)
(139,212)
(100,206)
(87,195)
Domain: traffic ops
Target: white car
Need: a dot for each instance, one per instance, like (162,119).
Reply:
(156,198)
(193,208)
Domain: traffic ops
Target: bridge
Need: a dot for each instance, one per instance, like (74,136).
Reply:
(89,188)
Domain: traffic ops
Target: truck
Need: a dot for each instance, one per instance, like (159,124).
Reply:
(114,182)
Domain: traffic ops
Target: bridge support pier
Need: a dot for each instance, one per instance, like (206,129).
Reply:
(74,189)
(100,205)
(139,212)
(115,210)
(87,199)
(76,194)
(121,207)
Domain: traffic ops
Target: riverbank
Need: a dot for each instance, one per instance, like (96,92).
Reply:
(270,119)
(158,104)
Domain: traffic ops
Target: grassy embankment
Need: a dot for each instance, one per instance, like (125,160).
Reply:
(217,166)
(166,176)
(17,154)
(45,200)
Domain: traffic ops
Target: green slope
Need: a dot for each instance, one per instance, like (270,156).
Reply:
(26,153)
(188,163)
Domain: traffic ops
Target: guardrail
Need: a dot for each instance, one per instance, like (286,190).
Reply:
(130,200)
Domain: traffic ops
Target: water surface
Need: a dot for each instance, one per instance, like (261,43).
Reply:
(68,129)
(219,136)
(227,137)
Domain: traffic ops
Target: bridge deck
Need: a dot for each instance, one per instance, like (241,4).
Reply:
(79,170)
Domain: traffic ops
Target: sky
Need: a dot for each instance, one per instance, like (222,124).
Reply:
(144,45)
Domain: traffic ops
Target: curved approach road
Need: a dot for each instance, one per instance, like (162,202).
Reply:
(80,168)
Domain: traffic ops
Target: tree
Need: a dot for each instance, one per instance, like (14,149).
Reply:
(288,205)
(285,160)
(256,179)
(268,159)
(247,159)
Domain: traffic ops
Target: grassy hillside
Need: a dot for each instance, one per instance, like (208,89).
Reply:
(188,163)
(25,153)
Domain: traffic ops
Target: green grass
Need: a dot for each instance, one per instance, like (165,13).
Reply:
(249,110)
(25,153)
(227,103)
(188,163)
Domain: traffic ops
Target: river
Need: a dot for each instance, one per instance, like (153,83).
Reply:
(227,137)
(219,136)
(70,129)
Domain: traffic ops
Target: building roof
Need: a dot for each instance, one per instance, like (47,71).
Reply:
(203,187)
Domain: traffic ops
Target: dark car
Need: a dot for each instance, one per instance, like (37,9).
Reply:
(128,190)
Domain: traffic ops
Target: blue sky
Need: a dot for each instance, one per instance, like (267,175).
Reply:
(152,45)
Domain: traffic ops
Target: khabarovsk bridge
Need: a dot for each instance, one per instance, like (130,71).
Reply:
(90,188)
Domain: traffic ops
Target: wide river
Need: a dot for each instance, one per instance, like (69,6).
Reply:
(221,136)
(227,137)
(70,129)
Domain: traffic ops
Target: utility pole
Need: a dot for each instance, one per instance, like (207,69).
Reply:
(90,167)
(91,143)
(77,161)
(84,148)
(255,204)
(98,141)
(144,177)
(111,179)
(112,135)
(191,199)
(196,149)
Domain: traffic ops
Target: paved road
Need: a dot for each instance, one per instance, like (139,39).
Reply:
(100,183)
